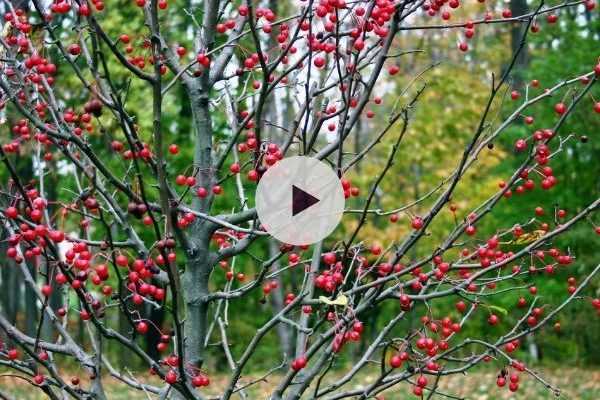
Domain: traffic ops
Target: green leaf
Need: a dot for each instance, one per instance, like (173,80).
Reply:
(499,309)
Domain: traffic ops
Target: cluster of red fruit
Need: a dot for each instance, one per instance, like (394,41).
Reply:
(38,379)
(349,190)
(224,27)
(240,276)
(64,7)
(346,335)
(39,69)
(224,238)
(79,259)
(433,7)
(386,268)
(269,286)
(443,328)
(262,13)
(144,153)
(329,279)
(374,22)
(19,21)
(398,359)
(139,60)
(162,4)
(199,379)
(33,235)
(23,133)
(513,378)
(266,159)
(182,180)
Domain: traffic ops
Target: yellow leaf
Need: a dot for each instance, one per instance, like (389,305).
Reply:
(530,237)
(341,300)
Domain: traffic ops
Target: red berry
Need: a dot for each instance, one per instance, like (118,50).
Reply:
(393,69)
(46,290)
(329,258)
(13,354)
(234,168)
(493,319)
(299,363)
(11,212)
(201,192)
(461,306)
(74,49)
(200,380)
(417,223)
(395,361)
(171,377)
(520,145)
(142,328)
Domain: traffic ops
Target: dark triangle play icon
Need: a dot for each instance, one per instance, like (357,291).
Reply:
(301,200)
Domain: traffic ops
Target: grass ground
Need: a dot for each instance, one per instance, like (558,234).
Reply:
(575,384)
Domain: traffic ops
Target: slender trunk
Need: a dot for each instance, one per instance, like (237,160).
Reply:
(195,289)
(124,329)
(284,333)
(56,299)
(518,7)
(31,309)
(8,300)
(309,288)
(203,144)
(532,347)
(96,386)
(157,316)
(357,142)
(416,171)
(196,277)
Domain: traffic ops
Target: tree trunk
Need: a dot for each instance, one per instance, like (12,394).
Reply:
(532,346)
(56,299)
(518,7)
(284,333)
(8,281)
(31,308)
(157,316)
(124,329)
(195,289)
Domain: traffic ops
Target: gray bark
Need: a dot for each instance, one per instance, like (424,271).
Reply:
(195,289)
(31,308)
(8,280)
(518,7)
(284,332)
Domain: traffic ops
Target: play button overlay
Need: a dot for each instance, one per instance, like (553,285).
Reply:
(299,200)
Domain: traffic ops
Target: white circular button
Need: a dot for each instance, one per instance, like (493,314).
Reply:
(299,200)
